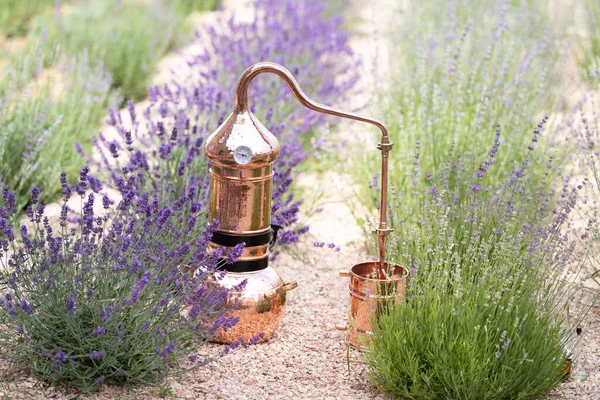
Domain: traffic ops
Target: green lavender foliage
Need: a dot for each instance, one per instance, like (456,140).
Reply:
(187,6)
(591,57)
(584,128)
(43,117)
(15,14)
(128,38)
(493,270)
(454,357)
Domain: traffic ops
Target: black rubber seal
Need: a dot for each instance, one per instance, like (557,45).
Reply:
(247,266)
(229,240)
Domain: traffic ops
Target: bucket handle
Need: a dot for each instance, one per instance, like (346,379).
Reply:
(286,287)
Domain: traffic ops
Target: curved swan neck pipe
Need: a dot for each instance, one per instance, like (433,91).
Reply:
(241,104)
(241,95)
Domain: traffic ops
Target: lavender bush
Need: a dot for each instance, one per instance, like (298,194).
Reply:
(494,267)
(119,35)
(16,14)
(591,58)
(46,108)
(188,6)
(584,128)
(166,140)
(105,298)
(461,68)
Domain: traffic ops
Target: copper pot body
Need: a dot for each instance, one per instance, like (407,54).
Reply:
(259,306)
(370,296)
(241,153)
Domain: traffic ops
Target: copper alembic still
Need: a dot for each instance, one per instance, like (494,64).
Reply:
(241,153)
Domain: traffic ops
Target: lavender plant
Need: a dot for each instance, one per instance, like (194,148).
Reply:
(14,15)
(118,35)
(591,58)
(493,267)
(105,299)
(188,6)
(166,140)
(47,108)
(461,69)
(584,128)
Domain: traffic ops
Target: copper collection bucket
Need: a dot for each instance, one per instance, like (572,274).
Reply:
(370,296)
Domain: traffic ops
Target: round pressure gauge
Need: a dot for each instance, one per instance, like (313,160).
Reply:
(242,155)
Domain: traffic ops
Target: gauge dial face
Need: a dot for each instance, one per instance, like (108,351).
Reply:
(242,155)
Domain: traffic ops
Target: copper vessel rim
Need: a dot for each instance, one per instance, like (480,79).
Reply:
(394,277)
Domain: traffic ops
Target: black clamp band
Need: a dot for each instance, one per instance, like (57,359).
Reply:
(247,266)
(229,240)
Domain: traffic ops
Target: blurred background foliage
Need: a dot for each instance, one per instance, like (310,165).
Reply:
(63,63)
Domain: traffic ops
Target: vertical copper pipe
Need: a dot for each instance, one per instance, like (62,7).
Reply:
(241,104)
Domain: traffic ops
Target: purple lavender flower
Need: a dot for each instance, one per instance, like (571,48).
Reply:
(79,149)
(165,150)
(71,303)
(24,232)
(35,194)
(96,355)
(27,308)
(106,313)
(114,149)
(131,109)
(9,199)
(99,331)
(139,286)
(476,187)
(66,188)
(60,356)
(235,253)
(106,202)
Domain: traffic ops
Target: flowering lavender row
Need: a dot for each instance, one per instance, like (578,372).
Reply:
(591,58)
(165,141)
(583,128)
(106,297)
(127,46)
(463,68)
(485,214)
(43,113)
(494,270)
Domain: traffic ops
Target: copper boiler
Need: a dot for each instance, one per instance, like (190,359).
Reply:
(241,153)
